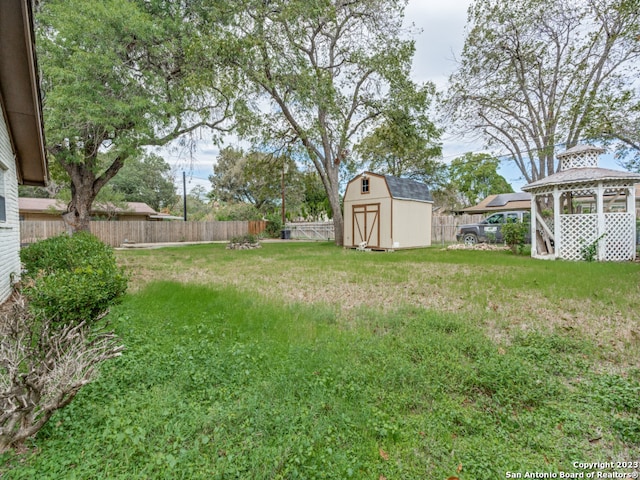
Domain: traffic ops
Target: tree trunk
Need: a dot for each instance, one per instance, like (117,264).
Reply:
(338,226)
(78,216)
(85,186)
(332,187)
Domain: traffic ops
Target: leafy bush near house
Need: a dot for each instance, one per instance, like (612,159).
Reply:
(71,278)
(514,234)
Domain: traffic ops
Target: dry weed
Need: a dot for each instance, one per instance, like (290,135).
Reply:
(500,311)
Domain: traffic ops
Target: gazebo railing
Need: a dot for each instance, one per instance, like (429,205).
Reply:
(620,239)
(616,238)
(576,232)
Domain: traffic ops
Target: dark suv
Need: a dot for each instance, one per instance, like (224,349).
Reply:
(490,229)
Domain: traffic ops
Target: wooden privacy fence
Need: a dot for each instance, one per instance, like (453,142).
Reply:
(443,230)
(443,227)
(256,227)
(118,232)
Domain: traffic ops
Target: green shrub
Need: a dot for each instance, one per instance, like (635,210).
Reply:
(514,234)
(274,226)
(237,212)
(247,238)
(589,251)
(71,278)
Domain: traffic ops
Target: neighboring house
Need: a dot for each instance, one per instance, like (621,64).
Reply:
(48,209)
(387,212)
(522,202)
(501,202)
(22,155)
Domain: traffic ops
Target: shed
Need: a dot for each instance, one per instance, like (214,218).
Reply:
(22,154)
(387,212)
(584,208)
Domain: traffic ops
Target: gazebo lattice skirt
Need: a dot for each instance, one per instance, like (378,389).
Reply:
(577,231)
(617,242)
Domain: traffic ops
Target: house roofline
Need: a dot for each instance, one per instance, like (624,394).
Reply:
(20,91)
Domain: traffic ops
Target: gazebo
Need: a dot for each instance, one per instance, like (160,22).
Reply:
(584,210)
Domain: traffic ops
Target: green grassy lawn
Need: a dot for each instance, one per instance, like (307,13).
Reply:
(304,360)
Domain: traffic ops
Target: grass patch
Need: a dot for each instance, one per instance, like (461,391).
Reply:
(502,293)
(222,379)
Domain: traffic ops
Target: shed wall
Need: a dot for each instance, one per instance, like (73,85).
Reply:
(411,223)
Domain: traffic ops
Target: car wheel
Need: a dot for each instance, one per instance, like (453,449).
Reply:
(469,239)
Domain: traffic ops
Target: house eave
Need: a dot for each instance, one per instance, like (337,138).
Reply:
(20,91)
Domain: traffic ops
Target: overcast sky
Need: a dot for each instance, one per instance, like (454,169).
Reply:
(441,25)
(440,42)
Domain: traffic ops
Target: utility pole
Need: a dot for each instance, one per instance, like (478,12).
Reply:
(184,194)
(285,169)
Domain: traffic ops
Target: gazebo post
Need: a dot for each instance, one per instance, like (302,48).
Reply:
(631,207)
(601,221)
(534,226)
(631,198)
(557,236)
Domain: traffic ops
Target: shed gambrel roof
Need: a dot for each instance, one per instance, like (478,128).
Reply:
(406,189)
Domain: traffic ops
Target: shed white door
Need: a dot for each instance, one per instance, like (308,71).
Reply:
(366,225)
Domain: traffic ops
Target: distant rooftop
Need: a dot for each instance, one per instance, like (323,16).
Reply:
(52,205)
(502,202)
(502,199)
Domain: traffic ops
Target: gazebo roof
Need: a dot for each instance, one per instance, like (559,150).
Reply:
(578,149)
(583,175)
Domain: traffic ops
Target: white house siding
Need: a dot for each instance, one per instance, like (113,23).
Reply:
(9,229)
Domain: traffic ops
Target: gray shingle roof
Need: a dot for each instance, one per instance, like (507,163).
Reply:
(405,189)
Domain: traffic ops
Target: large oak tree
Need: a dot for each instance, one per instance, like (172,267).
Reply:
(119,75)
(536,74)
(322,71)
(406,143)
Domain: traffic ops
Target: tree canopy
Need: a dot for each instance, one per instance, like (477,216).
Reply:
(118,75)
(535,74)
(255,178)
(475,176)
(406,142)
(146,178)
(323,70)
